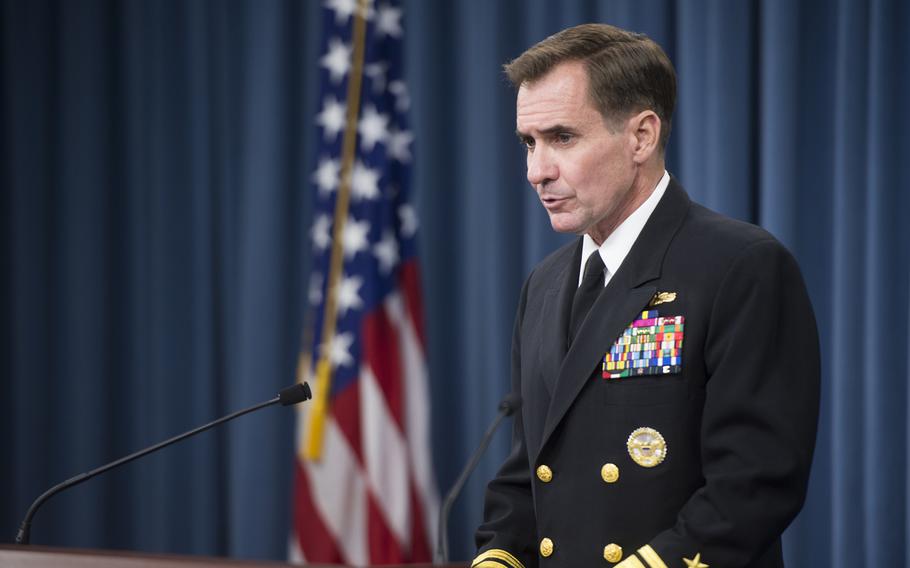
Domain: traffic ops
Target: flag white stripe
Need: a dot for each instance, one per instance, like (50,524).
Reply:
(417,410)
(338,491)
(385,454)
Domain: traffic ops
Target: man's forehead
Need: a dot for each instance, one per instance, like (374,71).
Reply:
(568,80)
(558,98)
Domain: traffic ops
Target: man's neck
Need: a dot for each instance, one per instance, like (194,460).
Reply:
(643,186)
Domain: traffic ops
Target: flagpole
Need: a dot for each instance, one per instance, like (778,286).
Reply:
(323,379)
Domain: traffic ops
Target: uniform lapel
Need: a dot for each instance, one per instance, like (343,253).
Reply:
(627,294)
(555,311)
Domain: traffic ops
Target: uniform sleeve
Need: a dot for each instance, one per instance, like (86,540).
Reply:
(506,536)
(759,421)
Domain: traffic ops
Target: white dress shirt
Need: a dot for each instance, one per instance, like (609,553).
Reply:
(615,248)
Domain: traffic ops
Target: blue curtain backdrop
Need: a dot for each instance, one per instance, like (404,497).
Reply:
(155,163)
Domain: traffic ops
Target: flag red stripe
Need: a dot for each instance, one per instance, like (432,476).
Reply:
(420,542)
(384,546)
(314,539)
(382,355)
(409,280)
(346,410)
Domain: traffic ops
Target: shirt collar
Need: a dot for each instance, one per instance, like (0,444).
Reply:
(615,248)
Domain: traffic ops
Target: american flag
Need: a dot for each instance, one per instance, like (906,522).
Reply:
(364,486)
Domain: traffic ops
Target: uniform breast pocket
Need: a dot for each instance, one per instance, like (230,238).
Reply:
(644,391)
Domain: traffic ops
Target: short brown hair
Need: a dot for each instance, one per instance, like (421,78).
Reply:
(627,72)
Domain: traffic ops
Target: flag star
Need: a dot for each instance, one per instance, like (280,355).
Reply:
(349,294)
(354,237)
(337,60)
(315,291)
(399,145)
(326,175)
(331,118)
(388,21)
(320,232)
(373,128)
(342,8)
(339,349)
(408,217)
(402,97)
(364,182)
(376,72)
(386,252)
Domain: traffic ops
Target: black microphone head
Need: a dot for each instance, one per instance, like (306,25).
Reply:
(510,403)
(294,394)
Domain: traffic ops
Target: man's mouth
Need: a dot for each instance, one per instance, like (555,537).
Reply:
(552,201)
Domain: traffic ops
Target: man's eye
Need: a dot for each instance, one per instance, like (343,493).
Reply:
(563,138)
(529,143)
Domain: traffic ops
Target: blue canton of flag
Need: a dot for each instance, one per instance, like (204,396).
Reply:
(381,224)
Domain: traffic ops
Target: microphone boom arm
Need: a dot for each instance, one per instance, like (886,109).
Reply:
(286,397)
(507,407)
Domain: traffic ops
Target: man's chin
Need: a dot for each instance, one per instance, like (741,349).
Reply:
(565,226)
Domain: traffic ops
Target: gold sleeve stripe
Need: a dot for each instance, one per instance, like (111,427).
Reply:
(651,557)
(495,558)
(630,562)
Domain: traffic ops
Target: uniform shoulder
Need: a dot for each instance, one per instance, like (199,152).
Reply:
(724,236)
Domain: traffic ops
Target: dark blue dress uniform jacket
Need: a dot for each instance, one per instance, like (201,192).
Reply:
(738,421)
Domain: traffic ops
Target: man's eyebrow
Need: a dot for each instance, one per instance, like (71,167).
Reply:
(555,129)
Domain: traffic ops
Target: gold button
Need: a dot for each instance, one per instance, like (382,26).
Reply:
(546,547)
(544,474)
(610,473)
(613,553)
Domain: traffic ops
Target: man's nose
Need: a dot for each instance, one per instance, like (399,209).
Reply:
(541,167)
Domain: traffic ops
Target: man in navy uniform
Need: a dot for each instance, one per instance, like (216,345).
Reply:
(667,360)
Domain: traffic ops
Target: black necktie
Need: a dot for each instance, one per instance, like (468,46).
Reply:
(591,285)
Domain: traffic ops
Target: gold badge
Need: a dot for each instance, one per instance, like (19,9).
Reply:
(662,298)
(647,447)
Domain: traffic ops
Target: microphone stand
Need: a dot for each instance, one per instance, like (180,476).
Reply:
(288,396)
(508,405)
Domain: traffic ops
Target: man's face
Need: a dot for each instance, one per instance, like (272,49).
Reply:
(582,171)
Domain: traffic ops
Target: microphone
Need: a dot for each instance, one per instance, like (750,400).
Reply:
(507,406)
(286,397)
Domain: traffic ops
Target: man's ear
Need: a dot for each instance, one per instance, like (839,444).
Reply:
(645,129)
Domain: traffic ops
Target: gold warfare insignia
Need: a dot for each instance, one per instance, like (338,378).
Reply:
(647,447)
(662,298)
